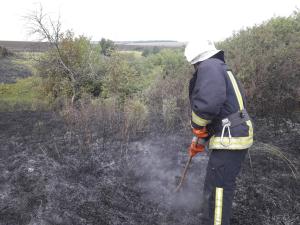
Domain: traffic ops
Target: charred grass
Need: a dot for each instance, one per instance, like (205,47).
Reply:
(13,68)
(53,171)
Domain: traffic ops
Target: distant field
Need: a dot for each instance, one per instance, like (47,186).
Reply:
(139,45)
(25,46)
(28,46)
(24,94)
(19,88)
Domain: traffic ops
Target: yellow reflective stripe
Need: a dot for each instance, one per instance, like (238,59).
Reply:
(218,206)
(199,121)
(236,90)
(250,127)
(236,143)
(244,142)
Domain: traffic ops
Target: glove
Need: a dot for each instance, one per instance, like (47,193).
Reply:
(200,133)
(196,146)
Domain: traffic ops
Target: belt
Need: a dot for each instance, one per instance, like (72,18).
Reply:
(237,118)
(232,120)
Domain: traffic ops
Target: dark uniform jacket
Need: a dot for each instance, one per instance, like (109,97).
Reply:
(214,95)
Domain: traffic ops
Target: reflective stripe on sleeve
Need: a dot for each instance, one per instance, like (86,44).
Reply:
(199,121)
(218,206)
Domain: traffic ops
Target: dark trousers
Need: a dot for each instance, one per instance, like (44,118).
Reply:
(222,170)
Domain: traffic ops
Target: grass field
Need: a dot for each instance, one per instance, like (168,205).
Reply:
(21,95)
(132,52)
(20,88)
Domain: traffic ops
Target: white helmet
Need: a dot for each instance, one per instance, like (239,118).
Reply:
(199,50)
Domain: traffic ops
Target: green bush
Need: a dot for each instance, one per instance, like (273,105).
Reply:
(154,87)
(82,58)
(148,51)
(121,78)
(107,47)
(167,94)
(170,60)
(267,60)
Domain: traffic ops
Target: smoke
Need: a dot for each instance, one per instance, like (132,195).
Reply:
(159,165)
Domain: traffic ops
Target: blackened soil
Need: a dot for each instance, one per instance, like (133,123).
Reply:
(10,71)
(49,174)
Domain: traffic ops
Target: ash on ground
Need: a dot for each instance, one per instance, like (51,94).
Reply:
(49,175)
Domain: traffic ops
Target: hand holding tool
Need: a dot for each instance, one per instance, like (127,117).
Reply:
(198,145)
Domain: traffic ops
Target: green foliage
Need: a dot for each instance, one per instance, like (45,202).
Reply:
(154,81)
(82,58)
(131,55)
(153,85)
(107,47)
(167,92)
(148,51)
(121,79)
(171,61)
(266,59)
(25,94)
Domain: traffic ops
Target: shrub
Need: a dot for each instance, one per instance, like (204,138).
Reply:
(107,47)
(135,118)
(167,95)
(148,51)
(266,59)
(94,119)
(121,78)
(81,57)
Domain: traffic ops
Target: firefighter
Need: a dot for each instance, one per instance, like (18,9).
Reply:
(218,109)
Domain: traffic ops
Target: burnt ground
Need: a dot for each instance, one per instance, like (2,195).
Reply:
(10,70)
(49,175)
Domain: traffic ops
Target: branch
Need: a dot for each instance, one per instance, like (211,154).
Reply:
(51,33)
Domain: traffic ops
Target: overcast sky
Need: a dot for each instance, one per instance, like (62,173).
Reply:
(129,20)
